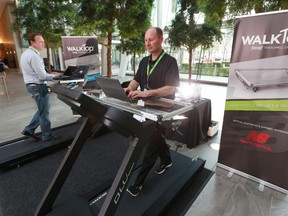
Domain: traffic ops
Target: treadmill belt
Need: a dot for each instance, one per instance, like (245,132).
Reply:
(21,189)
(169,183)
(24,149)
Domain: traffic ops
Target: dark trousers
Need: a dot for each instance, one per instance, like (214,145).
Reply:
(157,147)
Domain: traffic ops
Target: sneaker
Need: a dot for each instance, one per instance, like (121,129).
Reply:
(134,189)
(162,168)
(32,135)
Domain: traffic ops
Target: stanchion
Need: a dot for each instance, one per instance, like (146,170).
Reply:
(3,76)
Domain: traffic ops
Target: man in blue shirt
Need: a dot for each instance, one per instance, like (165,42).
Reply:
(35,77)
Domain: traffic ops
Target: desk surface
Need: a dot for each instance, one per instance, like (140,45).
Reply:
(154,109)
(193,130)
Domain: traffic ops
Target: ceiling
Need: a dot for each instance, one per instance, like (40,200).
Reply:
(2,5)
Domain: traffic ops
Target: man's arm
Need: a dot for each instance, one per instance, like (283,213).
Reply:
(133,85)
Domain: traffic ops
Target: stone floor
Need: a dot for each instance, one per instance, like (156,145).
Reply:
(225,194)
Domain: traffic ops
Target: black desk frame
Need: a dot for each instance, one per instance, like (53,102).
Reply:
(94,112)
(193,130)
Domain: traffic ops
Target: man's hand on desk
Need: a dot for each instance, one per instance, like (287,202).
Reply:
(57,74)
(135,93)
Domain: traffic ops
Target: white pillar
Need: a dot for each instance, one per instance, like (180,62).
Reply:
(60,54)
(159,13)
(123,65)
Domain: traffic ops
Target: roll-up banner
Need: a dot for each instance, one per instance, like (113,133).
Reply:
(81,50)
(254,139)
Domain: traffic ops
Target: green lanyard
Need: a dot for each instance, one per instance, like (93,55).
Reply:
(149,72)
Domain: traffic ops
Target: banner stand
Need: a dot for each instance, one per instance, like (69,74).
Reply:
(257,180)
(255,125)
(3,76)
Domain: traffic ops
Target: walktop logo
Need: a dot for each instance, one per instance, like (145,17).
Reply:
(80,49)
(266,39)
(272,41)
(257,140)
(79,46)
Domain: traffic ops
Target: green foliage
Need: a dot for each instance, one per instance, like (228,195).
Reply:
(134,18)
(240,7)
(207,69)
(48,18)
(97,16)
(102,16)
(185,31)
(132,46)
(129,19)
(223,72)
(134,21)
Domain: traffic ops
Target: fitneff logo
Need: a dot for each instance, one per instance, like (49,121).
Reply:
(266,39)
(257,140)
(122,184)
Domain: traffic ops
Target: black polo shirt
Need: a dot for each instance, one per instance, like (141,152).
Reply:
(165,73)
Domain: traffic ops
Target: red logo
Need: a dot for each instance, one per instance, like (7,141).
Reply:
(257,140)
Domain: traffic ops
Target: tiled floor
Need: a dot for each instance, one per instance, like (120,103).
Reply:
(224,195)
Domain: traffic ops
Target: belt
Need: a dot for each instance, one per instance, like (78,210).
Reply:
(33,84)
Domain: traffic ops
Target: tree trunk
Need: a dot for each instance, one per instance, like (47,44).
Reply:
(109,51)
(190,66)
(48,59)
(259,9)
(134,64)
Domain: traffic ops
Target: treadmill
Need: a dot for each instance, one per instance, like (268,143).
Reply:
(256,78)
(114,200)
(21,150)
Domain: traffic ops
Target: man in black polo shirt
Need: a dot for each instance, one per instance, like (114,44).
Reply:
(157,76)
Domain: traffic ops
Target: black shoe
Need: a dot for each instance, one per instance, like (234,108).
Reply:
(134,189)
(32,135)
(161,169)
(51,138)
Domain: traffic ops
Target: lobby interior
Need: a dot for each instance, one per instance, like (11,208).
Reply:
(225,194)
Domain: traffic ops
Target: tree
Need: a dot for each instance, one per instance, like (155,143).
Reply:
(48,18)
(132,29)
(107,17)
(185,31)
(240,7)
(134,46)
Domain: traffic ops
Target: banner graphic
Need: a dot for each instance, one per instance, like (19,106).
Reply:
(255,126)
(81,50)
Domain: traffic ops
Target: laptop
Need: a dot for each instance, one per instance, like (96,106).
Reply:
(74,73)
(112,88)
